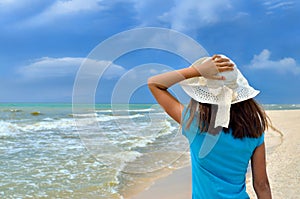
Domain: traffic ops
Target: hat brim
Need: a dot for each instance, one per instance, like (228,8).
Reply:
(197,89)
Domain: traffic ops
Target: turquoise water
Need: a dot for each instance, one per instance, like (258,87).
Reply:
(52,151)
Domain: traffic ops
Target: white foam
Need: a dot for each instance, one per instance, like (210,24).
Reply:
(125,110)
(143,142)
(48,119)
(128,156)
(103,111)
(141,136)
(142,110)
(62,124)
(8,129)
(84,115)
(104,118)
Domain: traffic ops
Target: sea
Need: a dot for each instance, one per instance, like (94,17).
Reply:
(57,150)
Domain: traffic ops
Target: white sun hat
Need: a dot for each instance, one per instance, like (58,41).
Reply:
(223,93)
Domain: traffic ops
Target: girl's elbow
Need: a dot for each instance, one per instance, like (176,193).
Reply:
(150,81)
(153,84)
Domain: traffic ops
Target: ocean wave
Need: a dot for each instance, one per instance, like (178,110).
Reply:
(48,119)
(104,111)
(104,118)
(81,115)
(124,110)
(12,110)
(48,124)
(8,129)
(141,136)
(142,110)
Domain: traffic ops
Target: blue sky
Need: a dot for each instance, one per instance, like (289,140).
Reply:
(43,43)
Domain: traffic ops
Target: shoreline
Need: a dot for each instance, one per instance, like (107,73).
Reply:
(282,164)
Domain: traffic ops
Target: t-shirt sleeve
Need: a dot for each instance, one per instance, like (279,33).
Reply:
(261,139)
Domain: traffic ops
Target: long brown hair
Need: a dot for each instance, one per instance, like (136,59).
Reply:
(247,118)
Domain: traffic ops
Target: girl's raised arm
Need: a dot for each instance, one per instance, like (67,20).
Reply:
(159,84)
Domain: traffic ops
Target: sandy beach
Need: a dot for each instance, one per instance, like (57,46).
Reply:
(283,162)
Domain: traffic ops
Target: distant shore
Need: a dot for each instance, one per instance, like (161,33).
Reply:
(283,157)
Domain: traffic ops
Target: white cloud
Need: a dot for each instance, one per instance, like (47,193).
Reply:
(194,13)
(284,65)
(148,13)
(184,15)
(281,5)
(60,9)
(48,67)
(72,6)
(273,6)
(278,4)
(191,15)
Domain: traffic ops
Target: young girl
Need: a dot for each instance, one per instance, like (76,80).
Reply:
(223,124)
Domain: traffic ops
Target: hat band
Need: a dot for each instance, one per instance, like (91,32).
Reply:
(225,96)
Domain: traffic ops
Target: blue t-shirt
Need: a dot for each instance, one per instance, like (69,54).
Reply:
(219,162)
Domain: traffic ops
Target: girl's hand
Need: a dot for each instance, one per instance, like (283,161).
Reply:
(212,66)
(223,64)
